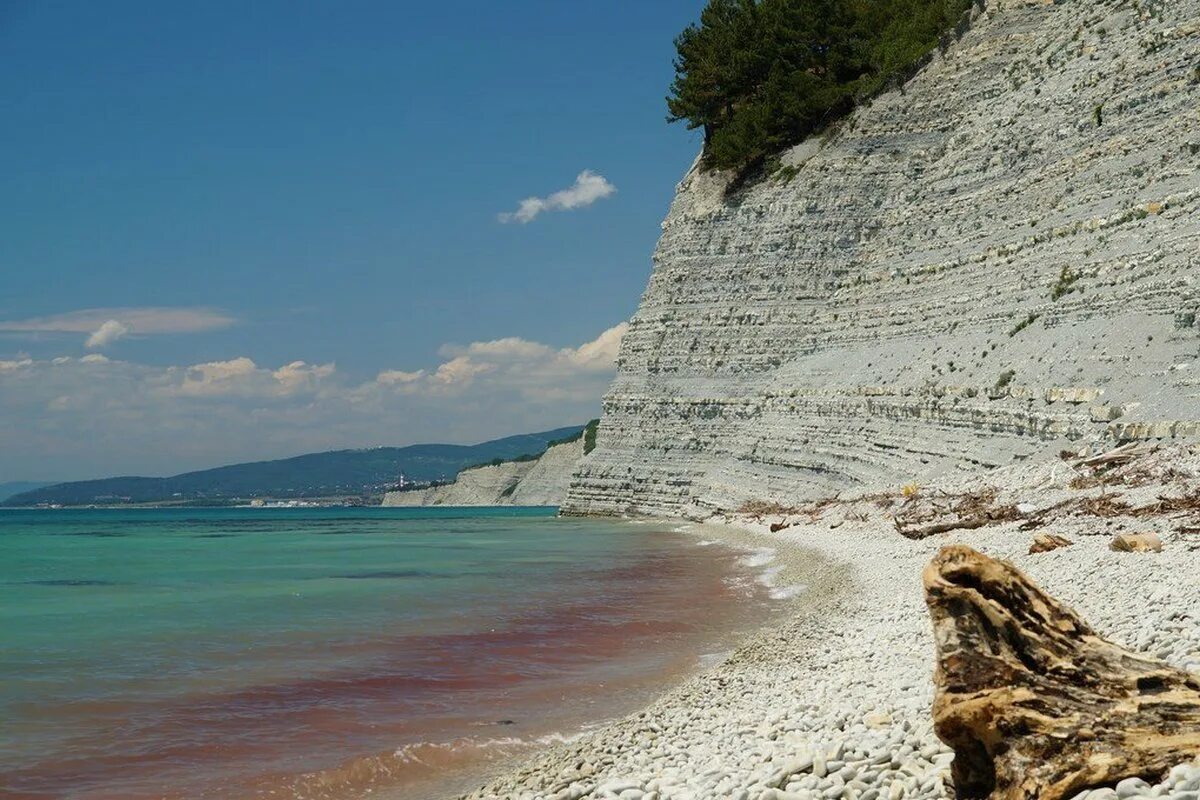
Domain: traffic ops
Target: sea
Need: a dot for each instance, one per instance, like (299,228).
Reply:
(337,653)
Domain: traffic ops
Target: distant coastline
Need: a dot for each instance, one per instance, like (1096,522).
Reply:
(341,477)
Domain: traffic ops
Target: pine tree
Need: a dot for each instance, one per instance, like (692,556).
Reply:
(760,75)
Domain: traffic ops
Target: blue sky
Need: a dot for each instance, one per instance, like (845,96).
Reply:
(230,189)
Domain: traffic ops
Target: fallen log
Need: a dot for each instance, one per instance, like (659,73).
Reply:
(1033,702)
(925,531)
(990,517)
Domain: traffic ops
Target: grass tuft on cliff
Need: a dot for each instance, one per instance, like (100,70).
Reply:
(761,75)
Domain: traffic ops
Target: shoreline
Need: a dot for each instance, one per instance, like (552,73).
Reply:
(833,698)
(826,583)
(765,572)
(754,579)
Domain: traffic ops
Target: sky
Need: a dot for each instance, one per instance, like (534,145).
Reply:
(240,231)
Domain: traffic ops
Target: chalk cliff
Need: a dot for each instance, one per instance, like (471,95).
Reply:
(997,262)
(539,482)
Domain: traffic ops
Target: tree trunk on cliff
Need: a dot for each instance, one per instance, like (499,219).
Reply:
(1034,703)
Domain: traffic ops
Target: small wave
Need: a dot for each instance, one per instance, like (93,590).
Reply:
(786,592)
(437,754)
(415,762)
(758,558)
(763,561)
(742,586)
(769,580)
(390,574)
(705,543)
(712,659)
(768,576)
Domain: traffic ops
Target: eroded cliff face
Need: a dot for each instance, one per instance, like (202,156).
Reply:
(996,263)
(540,482)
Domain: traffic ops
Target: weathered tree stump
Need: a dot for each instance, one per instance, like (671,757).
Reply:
(1034,703)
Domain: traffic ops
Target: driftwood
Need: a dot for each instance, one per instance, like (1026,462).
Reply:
(944,513)
(1119,455)
(1045,542)
(976,511)
(1034,703)
(925,531)
(1136,543)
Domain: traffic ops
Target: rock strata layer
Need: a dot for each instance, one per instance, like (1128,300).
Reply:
(997,262)
(539,482)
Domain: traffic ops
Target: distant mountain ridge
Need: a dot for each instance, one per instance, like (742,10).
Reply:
(13,488)
(337,472)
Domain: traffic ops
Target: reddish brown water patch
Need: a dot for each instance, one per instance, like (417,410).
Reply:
(409,713)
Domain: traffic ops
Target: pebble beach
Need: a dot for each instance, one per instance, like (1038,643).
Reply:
(832,699)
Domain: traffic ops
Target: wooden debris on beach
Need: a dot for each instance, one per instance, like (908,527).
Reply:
(1128,465)
(1136,543)
(1045,542)
(1033,702)
(765,508)
(1118,455)
(920,517)
(762,509)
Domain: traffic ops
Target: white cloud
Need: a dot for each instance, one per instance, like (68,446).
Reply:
(142,321)
(241,377)
(299,376)
(459,372)
(601,352)
(14,365)
(73,417)
(397,377)
(215,377)
(106,334)
(528,369)
(509,347)
(587,189)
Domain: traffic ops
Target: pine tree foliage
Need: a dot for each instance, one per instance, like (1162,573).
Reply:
(760,75)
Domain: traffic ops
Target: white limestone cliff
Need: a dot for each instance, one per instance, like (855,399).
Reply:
(998,262)
(539,482)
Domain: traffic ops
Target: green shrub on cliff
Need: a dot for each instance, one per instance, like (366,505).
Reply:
(589,436)
(760,75)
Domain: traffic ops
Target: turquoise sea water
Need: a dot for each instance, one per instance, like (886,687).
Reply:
(331,652)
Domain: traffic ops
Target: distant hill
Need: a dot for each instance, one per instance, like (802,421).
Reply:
(314,475)
(12,488)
